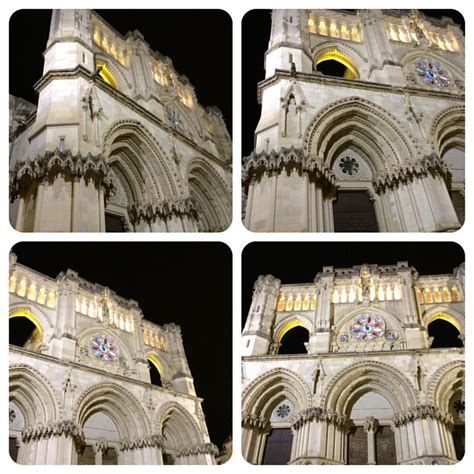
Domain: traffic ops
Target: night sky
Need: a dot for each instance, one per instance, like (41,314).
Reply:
(299,262)
(199,42)
(255,37)
(186,283)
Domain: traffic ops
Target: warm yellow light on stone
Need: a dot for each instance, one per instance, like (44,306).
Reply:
(336,55)
(106,74)
(26,313)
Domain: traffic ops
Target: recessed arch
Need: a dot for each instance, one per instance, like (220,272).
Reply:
(288,323)
(335,54)
(106,74)
(447,314)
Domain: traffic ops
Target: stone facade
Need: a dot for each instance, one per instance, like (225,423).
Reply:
(118,142)
(380,148)
(370,389)
(80,387)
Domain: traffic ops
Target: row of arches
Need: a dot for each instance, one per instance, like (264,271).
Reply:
(105,413)
(356,419)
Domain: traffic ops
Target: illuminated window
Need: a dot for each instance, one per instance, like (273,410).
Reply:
(281,304)
(306,303)
(333,62)
(298,303)
(313,302)
(289,303)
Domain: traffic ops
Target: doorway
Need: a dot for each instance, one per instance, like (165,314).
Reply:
(354,212)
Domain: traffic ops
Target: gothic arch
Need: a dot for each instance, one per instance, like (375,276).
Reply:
(448,314)
(288,323)
(160,362)
(266,391)
(349,384)
(449,129)
(364,123)
(210,191)
(179,428)
(444,382)
(119,404)
(36,316)
(130,147)
(33,394)
(115,69)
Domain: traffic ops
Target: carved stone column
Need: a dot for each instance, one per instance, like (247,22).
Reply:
(254,432)
(99,448)
(370,427)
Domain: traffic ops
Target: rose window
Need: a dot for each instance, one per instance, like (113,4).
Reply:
(349,165)
(283,410)
(431,73)
(367,327)
(104,348)
(12,415)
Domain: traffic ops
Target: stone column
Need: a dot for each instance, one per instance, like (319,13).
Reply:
(370,427)
(248,213)
(99,448)
(254,432)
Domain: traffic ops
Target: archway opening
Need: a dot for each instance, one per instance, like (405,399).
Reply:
(106,74)
(456,408)
(101,440)
(278,447)
(155,376)
(293,341)
(444,334)
(25,331)
(336,64)
(454,157)
(370,437)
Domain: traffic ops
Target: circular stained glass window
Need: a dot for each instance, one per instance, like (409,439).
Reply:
(12,415)
(344,338)
(431,73)
(104,348)
(84,351)
(367,327)
(283,410)
(391,335)
(349,165)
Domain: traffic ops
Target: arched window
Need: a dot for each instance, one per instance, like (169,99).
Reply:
(106,74)
(335,63)
(156,370)
(444,334)
(293,341)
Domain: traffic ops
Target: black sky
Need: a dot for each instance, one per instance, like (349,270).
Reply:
(255,37)
(199,42)
(186,283)
(299,262)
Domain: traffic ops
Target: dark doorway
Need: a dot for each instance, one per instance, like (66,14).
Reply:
(278,447)
(13,446)
(331,68)
(385,446)
(293,341)
(458,439)
(86,456)
(444,334)
(354,212)
(458,203)
(109,457)
(113,223)
(168,459)
(357,446)
(21,332)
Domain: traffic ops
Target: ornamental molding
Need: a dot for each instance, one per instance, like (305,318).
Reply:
(65,428)
(338,44)
(320,415)
(46,167)
(430,165)
(438,376)
(205,448)
(155,440)
(163,209)
(287,159)
(253,421)
(423,412)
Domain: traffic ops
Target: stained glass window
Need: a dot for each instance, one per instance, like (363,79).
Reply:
(431,73)
(283,410)
(349,165)
(84,351)
(12,415)
(104,348)
(344,338)
(367,327)
(391,335)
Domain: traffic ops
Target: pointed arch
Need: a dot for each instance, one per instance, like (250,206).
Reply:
(447,314)
(33,394)
(209,189)
(347,386)
(357,121)
(288,323)
(114,69)
(448,379)
(36,316)
(116,402)
(131,149)
(178,427)
(272,387)
(448,129)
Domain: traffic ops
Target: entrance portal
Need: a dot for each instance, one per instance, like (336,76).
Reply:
(354,212)
(278,447)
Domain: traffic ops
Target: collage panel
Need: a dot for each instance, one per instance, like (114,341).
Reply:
(117,127)
(120,364)
(353,353)
(358,123)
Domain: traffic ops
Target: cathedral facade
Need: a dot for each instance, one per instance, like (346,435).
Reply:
(80,387)
(118,141)
(371,384)
(361,126)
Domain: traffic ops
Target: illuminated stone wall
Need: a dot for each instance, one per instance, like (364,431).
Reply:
(83,382)
(368,370)
(111,101)
(391,113)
